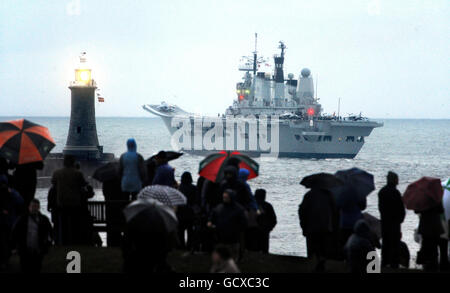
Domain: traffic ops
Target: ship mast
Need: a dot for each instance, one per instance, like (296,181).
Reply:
(255,53)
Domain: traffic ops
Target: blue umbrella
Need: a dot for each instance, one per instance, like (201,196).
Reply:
(360,182)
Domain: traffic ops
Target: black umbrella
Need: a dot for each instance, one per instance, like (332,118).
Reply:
(321,180)
(107,172)
(151,164)
(149,235)
(170,155)
(357,181)
(154,211)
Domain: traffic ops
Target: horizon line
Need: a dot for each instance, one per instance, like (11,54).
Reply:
(154,116)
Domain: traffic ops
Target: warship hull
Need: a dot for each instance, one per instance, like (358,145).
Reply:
(319,139)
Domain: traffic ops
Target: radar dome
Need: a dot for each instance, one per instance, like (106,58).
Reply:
(306,72)
(290,76)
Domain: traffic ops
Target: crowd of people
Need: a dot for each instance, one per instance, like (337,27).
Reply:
(223,218)
(342,231)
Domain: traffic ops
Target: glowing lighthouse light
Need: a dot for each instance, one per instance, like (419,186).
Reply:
(82,73)
(310,111)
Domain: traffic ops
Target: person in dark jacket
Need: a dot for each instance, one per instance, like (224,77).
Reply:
(392,213)
(267,220)
(210,199)
(11,204)
(318,220)
(357,247)
(350,207)
(69,184)
(187,214)
(32,238)
(251,234)
(243,195)
(131,170)
(164,174)
(25,180)
(116,201)
(229,221)
(243,177)
(430,228)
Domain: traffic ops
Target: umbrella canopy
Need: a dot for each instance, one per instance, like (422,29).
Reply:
(213,165)
(423,194)
(147,212)
(321,180)
(107,172)
(23,142)
(374,224)
(170,155)
(360,182)
(166,195)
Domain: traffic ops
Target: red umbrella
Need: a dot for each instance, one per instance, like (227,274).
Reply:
(423,194)
(22,141)
(212,166)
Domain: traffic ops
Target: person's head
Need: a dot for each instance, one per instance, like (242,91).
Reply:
(228,196)
(230,172)
(392,178)
(260,194)
(233,161)
(69,161)
(186,178)
(34,206)
(243,174)
(131,145)
(362,229)
(220,254)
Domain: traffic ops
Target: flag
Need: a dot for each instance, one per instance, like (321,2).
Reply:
(101,99)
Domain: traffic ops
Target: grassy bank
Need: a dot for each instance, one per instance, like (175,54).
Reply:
(109,260)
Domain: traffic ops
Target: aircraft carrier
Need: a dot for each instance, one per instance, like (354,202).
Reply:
(271,115)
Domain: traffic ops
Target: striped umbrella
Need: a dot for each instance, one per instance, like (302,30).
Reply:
(212,166)
(164,194)
(22,141)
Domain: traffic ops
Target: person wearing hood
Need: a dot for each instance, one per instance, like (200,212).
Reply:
(131,170)
(392,213)
(229,222)
(251,234)
(231,181)
(318,219)
(32,238)
(243,177)
(186,214)
(164,174)
(357,247)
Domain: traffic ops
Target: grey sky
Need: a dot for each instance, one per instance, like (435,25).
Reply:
(388,59)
